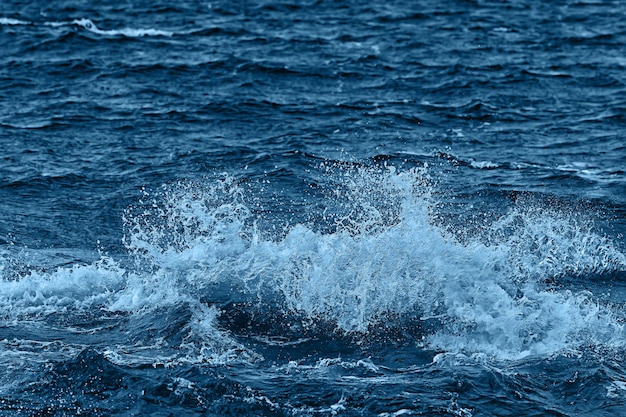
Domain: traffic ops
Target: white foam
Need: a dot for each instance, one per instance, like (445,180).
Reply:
(483,164)
(593,173)
(380,255)
(89,25)
(12,22)
(129,32)
(76,287)
(387,257)
(400,412)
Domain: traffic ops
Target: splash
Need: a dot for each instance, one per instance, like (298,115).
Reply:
(80,287)
(377,256)
(374,256)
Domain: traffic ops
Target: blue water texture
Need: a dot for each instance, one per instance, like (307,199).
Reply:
(312,208)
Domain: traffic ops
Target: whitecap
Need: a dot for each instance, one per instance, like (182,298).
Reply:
(389,257)
(12,22)
(128,32)
(380,258)
(483,164)
(76,287)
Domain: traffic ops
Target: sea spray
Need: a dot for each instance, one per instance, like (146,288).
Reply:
(380,255)
(375,259)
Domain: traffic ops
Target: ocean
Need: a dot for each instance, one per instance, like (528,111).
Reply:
(312,208)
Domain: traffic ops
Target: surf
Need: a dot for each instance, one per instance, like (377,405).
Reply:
(375,260)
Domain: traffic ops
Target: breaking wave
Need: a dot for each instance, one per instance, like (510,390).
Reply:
(373,257)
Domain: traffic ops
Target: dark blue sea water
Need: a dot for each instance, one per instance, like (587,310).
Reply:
(312,208)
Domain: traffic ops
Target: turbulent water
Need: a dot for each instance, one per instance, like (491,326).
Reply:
(307,208)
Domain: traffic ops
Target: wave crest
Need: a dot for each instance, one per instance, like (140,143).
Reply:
(377,250)
(373,256)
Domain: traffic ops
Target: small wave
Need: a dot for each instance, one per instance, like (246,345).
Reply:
(79,287)
(12,22)
(592,173)
(128,32)
(484,164)
(91,26)
(470,162)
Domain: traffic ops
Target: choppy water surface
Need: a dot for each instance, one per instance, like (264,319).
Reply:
(312,208)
